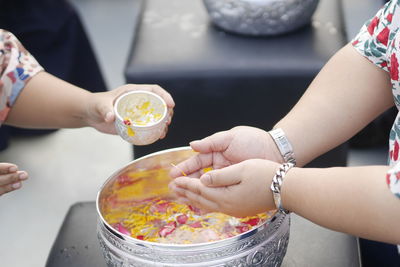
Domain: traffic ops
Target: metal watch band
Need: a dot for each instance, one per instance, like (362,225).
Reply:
(277,183)
(283,144)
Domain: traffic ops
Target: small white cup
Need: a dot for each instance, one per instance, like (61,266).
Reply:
(141,117)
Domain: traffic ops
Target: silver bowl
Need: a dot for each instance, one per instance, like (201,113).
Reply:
(264,245)
(260,17)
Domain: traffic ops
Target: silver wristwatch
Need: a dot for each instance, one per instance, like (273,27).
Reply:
(285,148)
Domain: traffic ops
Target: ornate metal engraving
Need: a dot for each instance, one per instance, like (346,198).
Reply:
(265,248)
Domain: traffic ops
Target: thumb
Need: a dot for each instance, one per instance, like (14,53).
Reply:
(105,108)
(222,177)
(214,143)
(109,116)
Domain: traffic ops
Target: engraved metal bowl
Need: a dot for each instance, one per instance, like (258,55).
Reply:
(260,17)
(264,245)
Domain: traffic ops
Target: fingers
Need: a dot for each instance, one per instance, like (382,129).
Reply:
(192,191)
(10,177)
(9,188)
(223,177)
(161,92)
(214,143)
(192,166)
(152,88)
(7,168)
(147,87)
(14,177)
(170,114)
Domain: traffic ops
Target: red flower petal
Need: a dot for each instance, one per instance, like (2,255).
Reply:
(182,219)
(195,210)
(196,225)
(394,67)
(372,25)
(243,228)
(120,228)
(396,151)
(160,207)
(389,17)
(253,221)
(388,178)
(383,36)
(124,180)
(167,229)
(355,42)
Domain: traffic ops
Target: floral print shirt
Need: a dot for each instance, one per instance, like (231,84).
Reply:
(379,41)
(17,66)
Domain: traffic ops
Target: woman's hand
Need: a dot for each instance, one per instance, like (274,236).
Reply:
(10,178)
(100,113)
(226,148)
(239,190)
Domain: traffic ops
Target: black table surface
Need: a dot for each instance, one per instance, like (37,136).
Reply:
(220,80)
(309,245)
(176,39)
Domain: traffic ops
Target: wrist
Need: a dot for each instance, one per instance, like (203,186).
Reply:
(85,108)
(277,184)
(283,145)
(273,151)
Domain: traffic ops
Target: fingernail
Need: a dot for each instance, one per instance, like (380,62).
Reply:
(16,185)
(178,190)
(193,142)
(23,176)
(13,169)
(206,179)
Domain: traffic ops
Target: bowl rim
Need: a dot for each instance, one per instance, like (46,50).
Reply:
(130,239)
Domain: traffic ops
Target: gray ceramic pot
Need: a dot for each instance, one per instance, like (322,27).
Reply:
(264,245)
(260,17)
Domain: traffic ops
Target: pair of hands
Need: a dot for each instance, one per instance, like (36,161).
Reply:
(244,161)
(98,114)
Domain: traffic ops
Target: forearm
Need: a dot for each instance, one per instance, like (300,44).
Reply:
(48,102)
(352,200)
(347,94)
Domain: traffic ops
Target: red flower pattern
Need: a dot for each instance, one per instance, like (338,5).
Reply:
(389,17)
(372,25)
(378,42)
(383,36)
(394,67)
(396,151)
(388,178)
